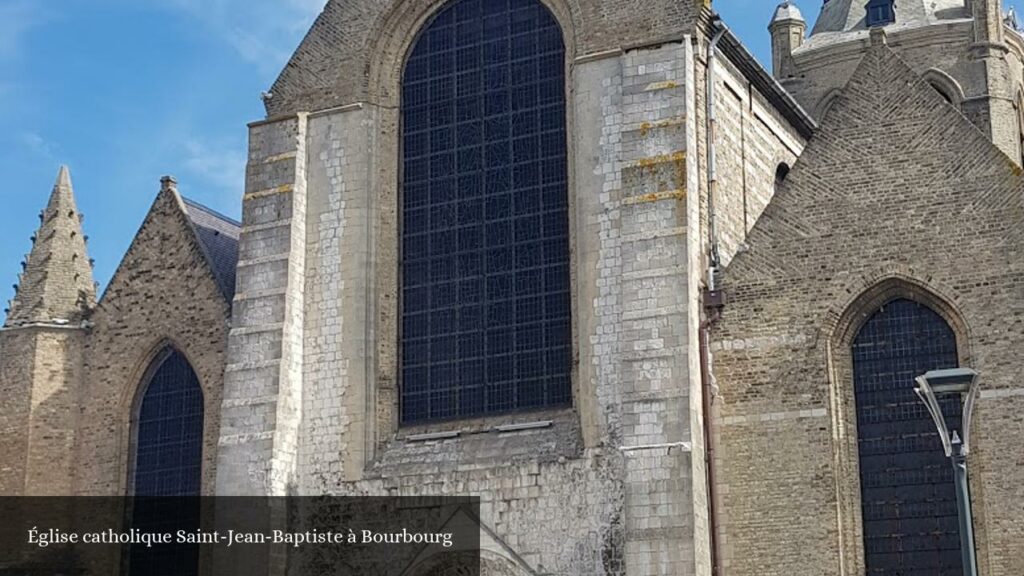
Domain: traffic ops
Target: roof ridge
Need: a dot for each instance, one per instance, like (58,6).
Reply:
(211,211)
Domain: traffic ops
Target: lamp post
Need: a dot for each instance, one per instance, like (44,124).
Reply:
(963,384)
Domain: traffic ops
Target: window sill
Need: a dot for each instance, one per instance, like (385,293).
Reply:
(499,424)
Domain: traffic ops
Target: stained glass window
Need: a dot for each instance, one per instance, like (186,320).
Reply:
(168,465)
(907,492)
(485,325)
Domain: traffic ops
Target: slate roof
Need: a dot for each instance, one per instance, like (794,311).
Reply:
(219,237)
(845,20)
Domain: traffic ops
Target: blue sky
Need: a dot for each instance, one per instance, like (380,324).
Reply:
(124,91)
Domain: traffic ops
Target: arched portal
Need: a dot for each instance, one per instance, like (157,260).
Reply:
(907,492)
(485,300)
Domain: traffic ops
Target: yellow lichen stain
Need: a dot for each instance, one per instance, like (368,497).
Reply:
(656,197)
(646,127)
(680,165)
(660,159)
(676,159)
(665,85)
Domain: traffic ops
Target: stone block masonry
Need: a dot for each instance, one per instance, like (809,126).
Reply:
(258,447)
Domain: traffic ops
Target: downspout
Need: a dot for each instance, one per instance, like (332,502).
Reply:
(712,299)
(714,259)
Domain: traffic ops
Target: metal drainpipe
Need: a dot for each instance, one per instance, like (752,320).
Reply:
(712,121)
(713,312)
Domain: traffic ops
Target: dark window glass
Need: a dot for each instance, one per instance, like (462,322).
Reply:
(169,441)
(907,492)
(781,171)
(168,463)
(485,245)
(880,12)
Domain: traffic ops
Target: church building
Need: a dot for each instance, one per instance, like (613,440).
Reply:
(661,309)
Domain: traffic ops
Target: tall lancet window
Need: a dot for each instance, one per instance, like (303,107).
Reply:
(169,430)
(168,434)
(907,492)
(485,301)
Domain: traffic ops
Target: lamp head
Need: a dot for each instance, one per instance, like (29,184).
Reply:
(961,382)
(952,381)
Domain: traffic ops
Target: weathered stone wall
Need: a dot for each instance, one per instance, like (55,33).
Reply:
(615,484)
(262,404)
(868,214)
(40,370)
(162,294)
(606,487)
(16,347)
(633,225)
(752,140)
(355,48)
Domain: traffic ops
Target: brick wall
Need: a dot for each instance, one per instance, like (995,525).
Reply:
(898,195)
(990,82)
(15,387)
(162,294)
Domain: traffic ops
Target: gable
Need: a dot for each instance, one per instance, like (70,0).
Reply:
(164,294)
(182,240)
(894,174)
(356,45)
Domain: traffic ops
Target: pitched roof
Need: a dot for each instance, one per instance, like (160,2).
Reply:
(219,237)
(846,20)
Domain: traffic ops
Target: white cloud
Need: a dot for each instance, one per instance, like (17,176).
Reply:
(17,17)
(221,165)
(263,32)
(38,145)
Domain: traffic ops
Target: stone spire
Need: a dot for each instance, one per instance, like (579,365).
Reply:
(56,284)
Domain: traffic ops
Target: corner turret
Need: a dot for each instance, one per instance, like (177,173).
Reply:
(788,28)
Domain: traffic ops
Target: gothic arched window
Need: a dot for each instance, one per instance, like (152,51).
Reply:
(169,430)
(485,302)
(907,492)
(168,434)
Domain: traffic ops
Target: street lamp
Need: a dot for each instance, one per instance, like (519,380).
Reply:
(963,384)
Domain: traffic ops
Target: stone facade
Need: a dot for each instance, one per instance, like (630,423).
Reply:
(632,444)
(679,146)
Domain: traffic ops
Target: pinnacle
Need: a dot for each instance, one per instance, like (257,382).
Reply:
(63,178)
(57,282)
